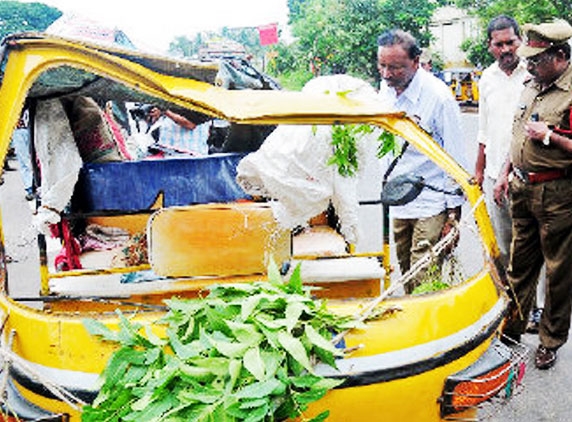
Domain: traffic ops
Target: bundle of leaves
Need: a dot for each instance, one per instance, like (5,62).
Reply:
(246,352)
(344,143)
(439,278)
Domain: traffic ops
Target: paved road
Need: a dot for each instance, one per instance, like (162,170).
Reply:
(545,396)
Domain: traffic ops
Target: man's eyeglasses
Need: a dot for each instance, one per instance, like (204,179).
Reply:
(392,68)
(540,58)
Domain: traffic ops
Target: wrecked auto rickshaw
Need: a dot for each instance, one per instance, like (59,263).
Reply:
(437,357)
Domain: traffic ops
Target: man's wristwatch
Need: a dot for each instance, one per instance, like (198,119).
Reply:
(546,139)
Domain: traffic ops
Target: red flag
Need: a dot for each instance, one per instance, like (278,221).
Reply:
(268,34)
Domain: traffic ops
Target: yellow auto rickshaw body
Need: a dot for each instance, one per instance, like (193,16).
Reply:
(400,364)
(464,84)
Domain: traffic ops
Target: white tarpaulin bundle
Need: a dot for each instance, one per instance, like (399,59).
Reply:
(291,167)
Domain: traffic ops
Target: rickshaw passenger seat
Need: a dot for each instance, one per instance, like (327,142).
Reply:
(216,240)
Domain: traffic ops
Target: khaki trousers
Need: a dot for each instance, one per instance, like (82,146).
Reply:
(542,233)
(413,239)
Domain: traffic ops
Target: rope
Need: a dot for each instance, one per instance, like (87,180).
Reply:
(5,368)
(423,262)
(11,358)
(489,259)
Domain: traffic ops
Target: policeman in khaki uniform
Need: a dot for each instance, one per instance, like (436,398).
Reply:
(538,175)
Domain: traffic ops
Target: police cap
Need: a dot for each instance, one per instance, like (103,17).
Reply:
(539,38)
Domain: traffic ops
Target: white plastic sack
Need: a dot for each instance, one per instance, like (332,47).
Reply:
(291,166)
(59,159)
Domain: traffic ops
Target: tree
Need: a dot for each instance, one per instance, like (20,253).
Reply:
(338,36)
(185,47)
(413,16)
(295,10)
(21,17)
(341,35)
(289,66)
(332,36)
(523,11)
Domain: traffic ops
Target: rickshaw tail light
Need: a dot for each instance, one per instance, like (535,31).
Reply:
(473,392)
(495,373)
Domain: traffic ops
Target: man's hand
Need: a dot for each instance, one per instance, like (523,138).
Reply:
(500,189)
(479,178)
(480,165)
(536,131)
(452,222)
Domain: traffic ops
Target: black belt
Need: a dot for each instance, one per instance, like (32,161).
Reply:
(533,177)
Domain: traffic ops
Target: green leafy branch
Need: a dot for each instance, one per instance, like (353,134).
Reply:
(344,142)
(246,352)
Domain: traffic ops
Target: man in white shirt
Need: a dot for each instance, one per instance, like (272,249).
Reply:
(419,224)
(499,91)
(175,134)
(500,87)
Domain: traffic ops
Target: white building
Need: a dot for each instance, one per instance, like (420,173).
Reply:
(451,26)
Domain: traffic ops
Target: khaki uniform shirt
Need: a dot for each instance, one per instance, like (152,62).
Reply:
(553,106)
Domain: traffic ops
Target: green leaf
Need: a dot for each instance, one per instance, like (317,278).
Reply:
(195,372)
(325,356)
(183,351)
(248,305)
(257,414)
(116,367)
(258,389)
(286,409)
(216,365)
(251,404)
(321,417)
(292,315)
(328,383)
(134,374)
(152,338)
(387,144)
(236,355)
(153,411)
(296,349)
(271,335)
(215,320)
(143,402)
(184,306)
(295,283)
(151,356)
(311,396)
(206,396)
(317,340)
(202,413)
(274,276)
(97,328)
(270,321)
(245,333)
(117,402)
(344,94)
(272,361)
(236,411)
(253,362)
(227,348)
(234,368)
(305,381)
